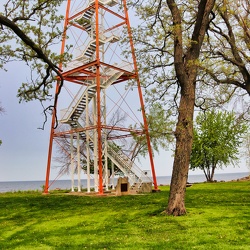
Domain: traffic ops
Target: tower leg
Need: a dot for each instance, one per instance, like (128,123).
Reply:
(98,100)
(52,130)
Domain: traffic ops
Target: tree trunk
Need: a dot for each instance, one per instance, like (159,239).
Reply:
(206,174)
(186,73)
(184,140)
(212,174)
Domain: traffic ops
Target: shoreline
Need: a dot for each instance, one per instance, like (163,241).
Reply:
(15,186)
(189,184)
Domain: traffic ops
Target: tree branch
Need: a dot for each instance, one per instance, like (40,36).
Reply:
(39,53)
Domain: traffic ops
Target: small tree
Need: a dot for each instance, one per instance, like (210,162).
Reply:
(161,128)
(217,139)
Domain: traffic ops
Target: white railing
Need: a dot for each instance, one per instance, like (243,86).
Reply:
(124,162)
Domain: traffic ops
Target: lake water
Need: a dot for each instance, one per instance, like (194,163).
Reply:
(13,186)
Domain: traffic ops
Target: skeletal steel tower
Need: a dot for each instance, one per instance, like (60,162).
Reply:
(98,70)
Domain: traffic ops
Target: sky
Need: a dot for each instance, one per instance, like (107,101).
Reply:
(23,154)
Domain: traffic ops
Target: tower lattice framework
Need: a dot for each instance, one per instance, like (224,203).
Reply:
(98,71)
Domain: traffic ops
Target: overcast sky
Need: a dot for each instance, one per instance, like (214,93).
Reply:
(23,154)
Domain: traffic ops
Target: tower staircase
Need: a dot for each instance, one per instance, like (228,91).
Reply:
(85,19)
(89,52)
(76,109)
(135,175)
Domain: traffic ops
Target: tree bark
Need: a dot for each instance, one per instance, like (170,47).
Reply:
(184,140)
(186,73)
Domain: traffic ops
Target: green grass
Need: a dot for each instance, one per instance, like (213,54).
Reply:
(218,218)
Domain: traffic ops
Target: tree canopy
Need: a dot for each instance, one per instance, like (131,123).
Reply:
(218,136)
(228,44)
(161,127)
(30,31)
(223,64)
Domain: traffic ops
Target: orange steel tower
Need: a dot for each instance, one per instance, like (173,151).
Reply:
(97,72)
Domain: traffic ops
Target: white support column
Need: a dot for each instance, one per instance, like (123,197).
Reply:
(72,162)
(95,147)
(87,143)
(105,143)
(78,162)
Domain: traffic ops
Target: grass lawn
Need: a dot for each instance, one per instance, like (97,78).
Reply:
(218,218)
